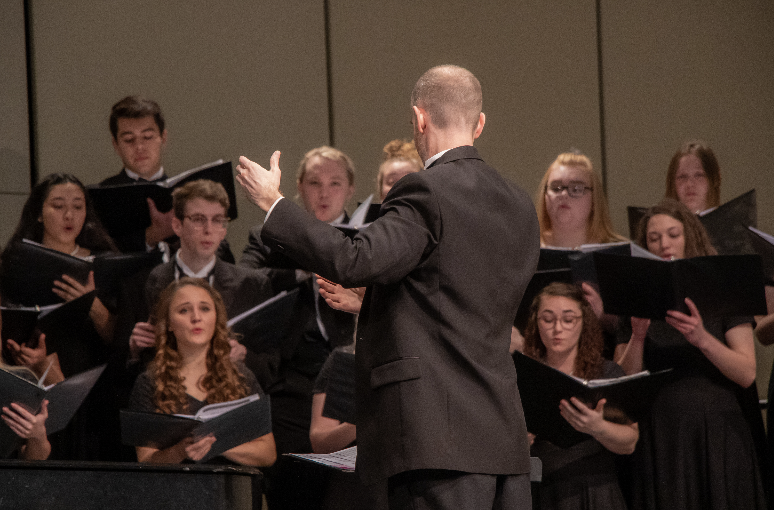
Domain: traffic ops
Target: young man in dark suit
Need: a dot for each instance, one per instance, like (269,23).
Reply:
(446,264)
(325,182)
(139,139)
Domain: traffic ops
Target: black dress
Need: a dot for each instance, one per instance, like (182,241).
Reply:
(697,449)
(580,477)
(144,389)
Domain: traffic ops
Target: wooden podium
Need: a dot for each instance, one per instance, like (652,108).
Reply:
(131,486)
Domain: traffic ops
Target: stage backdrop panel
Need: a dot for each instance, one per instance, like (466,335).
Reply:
(536,63)
(241,77)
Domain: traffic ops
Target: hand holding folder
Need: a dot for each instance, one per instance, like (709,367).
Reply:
(229,423)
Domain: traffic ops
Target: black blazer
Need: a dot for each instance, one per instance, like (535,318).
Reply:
(446,265)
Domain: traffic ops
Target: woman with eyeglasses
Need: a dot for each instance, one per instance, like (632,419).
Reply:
(571,204)
(702,442)
(564,333)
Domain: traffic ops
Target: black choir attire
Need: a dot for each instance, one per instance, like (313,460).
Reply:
(701,445)
(316,330)
(583,476)
(447,263)
(94,431)
(145,386)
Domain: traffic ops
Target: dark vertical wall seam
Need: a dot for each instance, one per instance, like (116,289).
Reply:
(30,93)
(329,74)
(601,82)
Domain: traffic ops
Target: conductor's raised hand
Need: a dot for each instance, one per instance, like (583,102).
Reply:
(261,185)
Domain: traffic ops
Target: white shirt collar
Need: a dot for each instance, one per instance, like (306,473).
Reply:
(135,176)
(205,271)
(432,159)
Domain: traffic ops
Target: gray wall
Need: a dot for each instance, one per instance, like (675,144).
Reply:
(249,77)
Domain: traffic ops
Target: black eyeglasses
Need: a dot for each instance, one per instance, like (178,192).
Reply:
(573,190)
(568,321)
(200,221)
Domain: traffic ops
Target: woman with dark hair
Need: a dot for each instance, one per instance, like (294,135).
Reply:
(58,214)
(693,177)
(192,369)
(563,332)
(698,446)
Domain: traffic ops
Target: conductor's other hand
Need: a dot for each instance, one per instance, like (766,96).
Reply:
(339,298)
(261,185)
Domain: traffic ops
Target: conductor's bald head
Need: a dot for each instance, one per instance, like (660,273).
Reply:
(450,95)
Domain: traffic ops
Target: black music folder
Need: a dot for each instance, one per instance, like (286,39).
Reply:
(340,391)
(64,399)
(123,208)
(35,268)
(264,326)
(634,214)
(763,244)
(561,258)
(357,221)
(232,423)
(720,285)
(24,324)
(111,268)
(542,388)
(725,224)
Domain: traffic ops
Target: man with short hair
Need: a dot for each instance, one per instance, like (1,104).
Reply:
(139,139)
(446,264)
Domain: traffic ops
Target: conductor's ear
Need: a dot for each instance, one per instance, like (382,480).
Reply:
(479,125)
(420,119)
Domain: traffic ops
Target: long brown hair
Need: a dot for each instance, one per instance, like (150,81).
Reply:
(697,242)
(599,228)
(708,162)
(223,382)
(588,362)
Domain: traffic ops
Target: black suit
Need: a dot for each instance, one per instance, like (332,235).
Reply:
(446,263)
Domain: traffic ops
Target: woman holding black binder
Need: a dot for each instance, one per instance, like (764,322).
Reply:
(59,216)
(564,333)
(191,369)
(698,447)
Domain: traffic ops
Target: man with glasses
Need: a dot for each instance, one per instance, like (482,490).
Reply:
(201,221)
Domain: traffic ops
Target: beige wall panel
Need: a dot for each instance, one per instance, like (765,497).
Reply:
(682,70)
(536,63)
(14,128)
(10,207)
(232,78)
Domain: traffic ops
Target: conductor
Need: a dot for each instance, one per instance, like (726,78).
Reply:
(438,411)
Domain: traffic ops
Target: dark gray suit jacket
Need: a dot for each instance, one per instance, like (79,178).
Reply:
(446,265)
